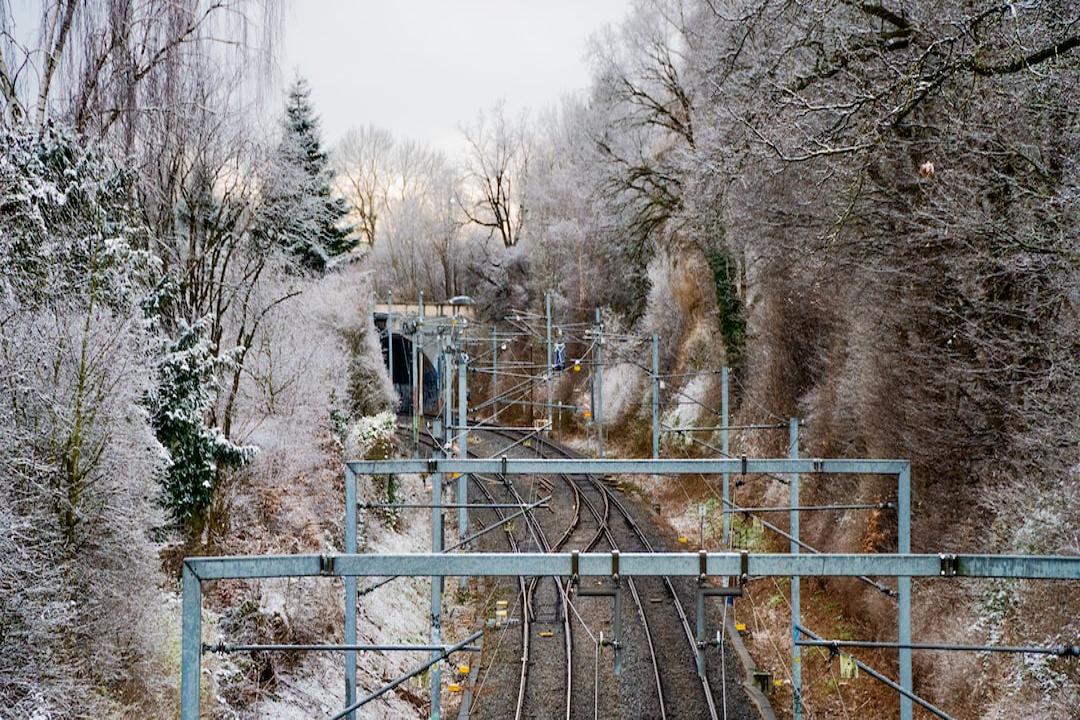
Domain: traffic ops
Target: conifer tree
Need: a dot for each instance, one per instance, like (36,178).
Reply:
(197,451)
(301,211)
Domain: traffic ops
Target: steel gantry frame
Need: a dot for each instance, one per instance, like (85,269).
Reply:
(794,509)
(789,468)
(792,467)
(198,570)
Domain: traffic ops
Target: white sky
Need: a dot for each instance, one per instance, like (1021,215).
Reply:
(421,68)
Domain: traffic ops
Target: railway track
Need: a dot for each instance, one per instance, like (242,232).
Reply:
(592,495)
(526,589)
(610,500)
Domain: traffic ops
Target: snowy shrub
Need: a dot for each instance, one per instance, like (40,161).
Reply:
(79,618)
(318,354)
(372,437)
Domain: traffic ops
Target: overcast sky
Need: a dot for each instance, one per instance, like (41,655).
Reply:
(421,68)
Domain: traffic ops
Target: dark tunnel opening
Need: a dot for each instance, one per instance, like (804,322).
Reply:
(399,367)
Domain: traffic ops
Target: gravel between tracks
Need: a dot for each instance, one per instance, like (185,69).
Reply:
(633,694)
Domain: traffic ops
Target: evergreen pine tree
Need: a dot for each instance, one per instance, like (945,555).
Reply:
(302,213)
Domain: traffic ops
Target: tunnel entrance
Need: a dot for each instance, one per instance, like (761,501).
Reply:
(397,357)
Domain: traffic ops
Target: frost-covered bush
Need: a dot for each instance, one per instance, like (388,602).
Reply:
(79,600)
(316,359)
(371,436)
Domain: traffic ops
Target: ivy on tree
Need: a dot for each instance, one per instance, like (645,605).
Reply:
(197,452)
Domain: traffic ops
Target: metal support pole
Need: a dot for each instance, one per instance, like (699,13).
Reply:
(448,395)
(417,411)
(655,396)
(724,440)
(598,411)
(419,378)
(615,593)
(903,587)
(350,587)
(616,627)
(436,593)
(550,372)
(462,433)
(796,612)
(191,649)
(390,348)
(699,627)
(494,371)
(437,525)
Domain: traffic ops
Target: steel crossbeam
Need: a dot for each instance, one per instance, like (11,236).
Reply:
(199,569)
(640,564)
(710,466)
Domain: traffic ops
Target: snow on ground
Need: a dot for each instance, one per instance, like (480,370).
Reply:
(623,385)
(395,613)
(685,409)
(399,611)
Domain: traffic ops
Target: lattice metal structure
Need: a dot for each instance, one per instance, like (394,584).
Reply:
(438,565)
(791,468)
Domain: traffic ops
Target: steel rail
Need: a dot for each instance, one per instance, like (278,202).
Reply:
(603,532)
(528,590)
(674,596)
(540,537)
(610,499)
(526,612)
(606,532)
(690,637)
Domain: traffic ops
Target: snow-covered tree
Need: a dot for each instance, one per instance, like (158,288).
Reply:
(198,452)
(78,458)
(364,161)
(301,212)
(497,170)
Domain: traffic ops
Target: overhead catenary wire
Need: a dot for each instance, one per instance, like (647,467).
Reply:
(835,645)
(926,705)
